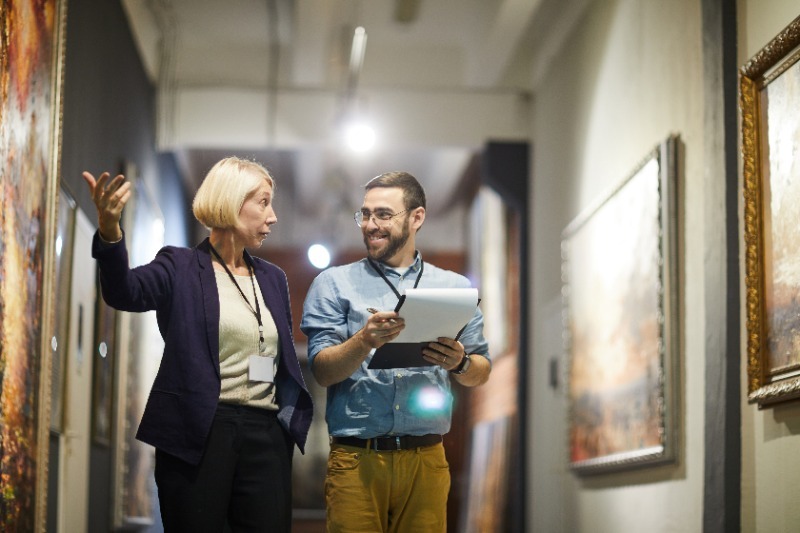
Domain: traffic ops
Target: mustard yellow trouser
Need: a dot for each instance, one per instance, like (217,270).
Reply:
(390,492)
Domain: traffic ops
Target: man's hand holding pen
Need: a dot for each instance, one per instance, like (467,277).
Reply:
(382,327)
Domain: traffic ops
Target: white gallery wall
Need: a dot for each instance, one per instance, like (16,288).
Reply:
(629,76)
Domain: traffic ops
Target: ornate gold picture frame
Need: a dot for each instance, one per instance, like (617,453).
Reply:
(770,117)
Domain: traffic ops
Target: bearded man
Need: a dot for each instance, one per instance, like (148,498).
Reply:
(387,469)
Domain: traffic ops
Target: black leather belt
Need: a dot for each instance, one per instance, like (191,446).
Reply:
(390,444)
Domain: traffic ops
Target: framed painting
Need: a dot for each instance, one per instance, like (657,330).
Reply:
(621,321)
(104,354)
(769,100)
(137,355)
(31,60)
(309,469)
(486,508)
(488,232)
(59,343)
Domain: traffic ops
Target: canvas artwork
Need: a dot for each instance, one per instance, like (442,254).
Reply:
(308,470)
(782,222)
(770,96)
(105,355)
(65,237)
(29,89)
(488,478)
(620,322)
(137,354)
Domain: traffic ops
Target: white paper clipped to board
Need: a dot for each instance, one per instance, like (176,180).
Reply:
(433,313)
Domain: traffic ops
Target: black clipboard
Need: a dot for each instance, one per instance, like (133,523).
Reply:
(403,354)
(398,355)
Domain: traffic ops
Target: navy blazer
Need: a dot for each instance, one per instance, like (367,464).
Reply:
(180,285)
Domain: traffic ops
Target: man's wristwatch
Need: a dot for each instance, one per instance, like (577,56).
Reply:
(463,366)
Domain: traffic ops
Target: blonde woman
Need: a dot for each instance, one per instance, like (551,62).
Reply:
(229,402)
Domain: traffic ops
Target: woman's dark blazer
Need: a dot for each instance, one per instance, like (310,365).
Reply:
(180,285)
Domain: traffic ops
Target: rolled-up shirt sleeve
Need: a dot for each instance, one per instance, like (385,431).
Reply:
(324,319)
(473,339)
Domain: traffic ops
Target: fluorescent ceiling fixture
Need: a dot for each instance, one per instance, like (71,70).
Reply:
(319,256)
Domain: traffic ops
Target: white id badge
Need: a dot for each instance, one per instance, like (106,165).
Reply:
(262,368)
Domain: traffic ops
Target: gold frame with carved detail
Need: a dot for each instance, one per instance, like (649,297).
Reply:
(768,381)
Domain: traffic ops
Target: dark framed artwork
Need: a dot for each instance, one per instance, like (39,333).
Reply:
(309,469)
(139,347)
(769,103)
(621,321)
(59,343)
(104,355)
(490,269)
(487,499)
(31,60)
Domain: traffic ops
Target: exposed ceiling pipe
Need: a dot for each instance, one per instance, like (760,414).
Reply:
(273,68)
(357,51)
(164,15)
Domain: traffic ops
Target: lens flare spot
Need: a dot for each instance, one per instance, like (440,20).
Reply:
(428,400)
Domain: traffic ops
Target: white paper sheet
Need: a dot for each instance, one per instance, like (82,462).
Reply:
(434,313)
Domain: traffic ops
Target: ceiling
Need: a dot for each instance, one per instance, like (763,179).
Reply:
(277,80)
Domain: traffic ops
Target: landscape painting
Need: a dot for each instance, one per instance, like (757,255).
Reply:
(619,304)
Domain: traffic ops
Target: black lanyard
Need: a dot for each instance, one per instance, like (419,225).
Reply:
(257,310)
(389,283)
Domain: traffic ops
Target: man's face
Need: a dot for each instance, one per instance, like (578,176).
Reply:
(384,239)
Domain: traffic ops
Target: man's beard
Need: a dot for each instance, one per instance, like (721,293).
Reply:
(391,248)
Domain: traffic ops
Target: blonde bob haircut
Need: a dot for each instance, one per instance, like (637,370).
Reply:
(224,189)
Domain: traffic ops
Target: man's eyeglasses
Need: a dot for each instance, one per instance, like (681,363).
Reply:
(363,216)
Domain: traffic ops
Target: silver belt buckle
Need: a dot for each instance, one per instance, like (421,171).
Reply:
(397,440)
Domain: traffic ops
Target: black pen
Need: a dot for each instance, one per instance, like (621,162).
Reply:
(400,303)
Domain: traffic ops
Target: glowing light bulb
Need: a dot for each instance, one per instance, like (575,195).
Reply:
(319,256)
(360,137)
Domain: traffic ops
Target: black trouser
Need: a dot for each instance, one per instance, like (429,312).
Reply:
(244,477)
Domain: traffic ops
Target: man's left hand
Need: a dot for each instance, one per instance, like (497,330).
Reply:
(445,352)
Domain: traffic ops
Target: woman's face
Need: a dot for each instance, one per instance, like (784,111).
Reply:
(256,216)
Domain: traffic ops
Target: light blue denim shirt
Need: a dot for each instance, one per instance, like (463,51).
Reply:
(372,403)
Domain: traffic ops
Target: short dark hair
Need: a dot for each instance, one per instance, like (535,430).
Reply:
(413,193)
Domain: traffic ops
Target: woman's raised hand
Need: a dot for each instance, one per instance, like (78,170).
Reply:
(109,198)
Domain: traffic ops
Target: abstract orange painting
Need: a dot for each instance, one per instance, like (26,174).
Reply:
(29,86)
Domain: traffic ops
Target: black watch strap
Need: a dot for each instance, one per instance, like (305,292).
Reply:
(462,366)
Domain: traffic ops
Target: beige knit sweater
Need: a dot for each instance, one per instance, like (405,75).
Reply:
(238,340)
